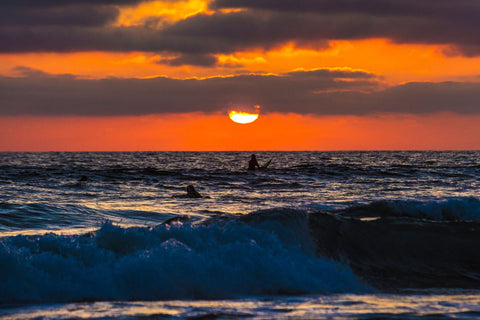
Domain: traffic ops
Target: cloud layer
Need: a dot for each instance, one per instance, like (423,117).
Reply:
(85,25)
(320,92)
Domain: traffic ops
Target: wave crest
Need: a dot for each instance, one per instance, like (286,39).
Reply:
(451,209)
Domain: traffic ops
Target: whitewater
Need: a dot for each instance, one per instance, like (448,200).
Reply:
(350,235)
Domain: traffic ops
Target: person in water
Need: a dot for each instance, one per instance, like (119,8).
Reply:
(192,193)
(253,163)
(82,182)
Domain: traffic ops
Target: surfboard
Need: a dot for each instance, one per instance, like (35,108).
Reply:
(266,164)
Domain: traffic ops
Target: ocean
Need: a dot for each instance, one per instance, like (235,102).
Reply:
(316,235)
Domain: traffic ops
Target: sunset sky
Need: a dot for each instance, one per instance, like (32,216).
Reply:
(108,75)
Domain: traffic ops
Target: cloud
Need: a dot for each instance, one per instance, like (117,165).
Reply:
(426,8)
(270,28)
(190,59)
(37,13)
(85,25)
(321,92)
(73,15)
(53,3)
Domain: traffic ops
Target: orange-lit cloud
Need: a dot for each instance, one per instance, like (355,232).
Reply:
(167,11)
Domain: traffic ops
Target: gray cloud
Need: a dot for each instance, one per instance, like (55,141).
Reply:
(259,28)
(73,15)
(190,59)
(265,25)
(424,8)
(84,25)
(39,13)
(318,92)
(60,3)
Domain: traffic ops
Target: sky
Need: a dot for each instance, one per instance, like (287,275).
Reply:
(127,75)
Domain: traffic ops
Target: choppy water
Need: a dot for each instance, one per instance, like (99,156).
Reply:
(316,235)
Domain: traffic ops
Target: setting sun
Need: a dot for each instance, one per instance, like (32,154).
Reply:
(245,115)
(242,117)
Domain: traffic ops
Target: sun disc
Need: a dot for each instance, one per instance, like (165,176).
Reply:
(242,117)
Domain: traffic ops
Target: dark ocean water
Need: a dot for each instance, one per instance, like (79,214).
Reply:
(316,235)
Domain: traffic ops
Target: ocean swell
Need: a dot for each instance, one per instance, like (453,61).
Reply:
(403,244)
(450,209)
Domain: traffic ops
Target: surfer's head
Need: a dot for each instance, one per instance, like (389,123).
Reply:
(192,193)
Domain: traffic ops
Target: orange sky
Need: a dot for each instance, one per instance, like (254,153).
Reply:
(193,132)
(394,64)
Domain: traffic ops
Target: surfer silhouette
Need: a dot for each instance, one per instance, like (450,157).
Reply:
(192,193)
(253,163)
(82,182)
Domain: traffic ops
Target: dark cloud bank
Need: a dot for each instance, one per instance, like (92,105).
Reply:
(87,25)
(320,92)
(83,25)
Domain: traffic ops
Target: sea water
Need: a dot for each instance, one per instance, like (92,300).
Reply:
(341,235)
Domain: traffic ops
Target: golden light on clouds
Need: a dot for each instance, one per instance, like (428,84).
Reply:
(164,10)
(412,62)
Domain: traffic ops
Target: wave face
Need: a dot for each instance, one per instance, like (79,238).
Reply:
(264,253)
(405,244)
(452,209)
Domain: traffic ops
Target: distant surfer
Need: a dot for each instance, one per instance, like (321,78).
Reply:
(192,193)
(82,182)
(253,163)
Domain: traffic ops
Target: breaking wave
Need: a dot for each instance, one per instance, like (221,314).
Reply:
(383,245)
(264,253)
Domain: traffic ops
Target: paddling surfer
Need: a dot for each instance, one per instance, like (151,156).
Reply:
(253,163)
